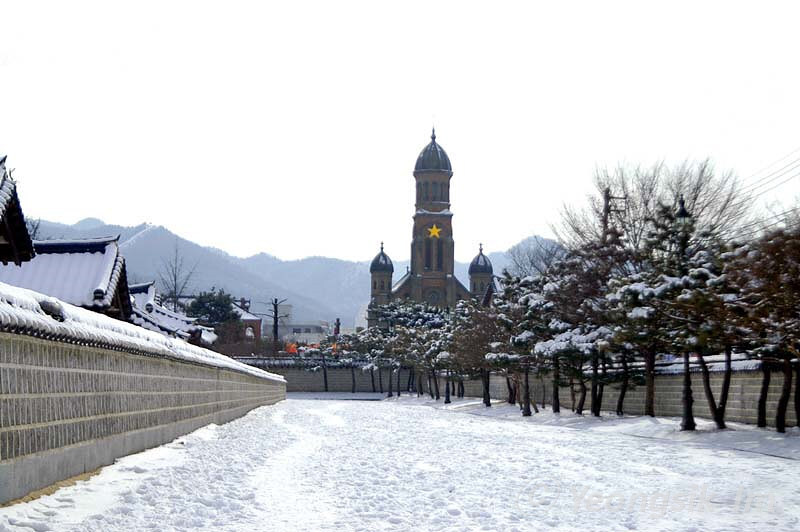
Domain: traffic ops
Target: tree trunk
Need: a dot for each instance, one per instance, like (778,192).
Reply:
(461,388)
(601,386)
(512,392)
(390,384)
(544,392)
(420,386)
(650,382)
(797,395)
(324,373)
(687,420)
(593,406)
(783,401)
(726,386)
(572,393)
(762,397)
(712,404)
(556,377)
(526,400)
(581,400)
(372,378)
(485,376)
(353,377)
(447,387)
(436,385)
(398,381)
(410,379)
(624,387)
(430,384)
(380,379)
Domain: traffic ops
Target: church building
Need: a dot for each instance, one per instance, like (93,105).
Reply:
(430,278)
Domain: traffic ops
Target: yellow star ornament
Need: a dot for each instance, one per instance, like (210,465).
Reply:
(433,232)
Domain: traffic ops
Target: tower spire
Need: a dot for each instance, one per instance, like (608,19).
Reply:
(433,134)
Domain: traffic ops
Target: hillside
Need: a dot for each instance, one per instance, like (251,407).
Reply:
(318,288)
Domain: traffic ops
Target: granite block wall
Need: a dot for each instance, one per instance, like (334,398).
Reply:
(66,409)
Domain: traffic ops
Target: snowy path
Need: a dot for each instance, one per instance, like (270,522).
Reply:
(356,465)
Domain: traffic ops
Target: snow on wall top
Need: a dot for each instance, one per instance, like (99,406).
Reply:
(79,272)
(23,311)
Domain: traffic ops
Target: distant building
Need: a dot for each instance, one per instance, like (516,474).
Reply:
(431,277)
(87,273)
(15,242)
(307,333)
(150,314)
(251,323)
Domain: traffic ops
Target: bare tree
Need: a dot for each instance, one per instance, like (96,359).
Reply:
(718,203)
(175,277)
(34,228)
(533,256)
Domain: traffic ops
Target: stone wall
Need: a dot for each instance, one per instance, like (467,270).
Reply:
(339,380)
(742,399)
(66,409)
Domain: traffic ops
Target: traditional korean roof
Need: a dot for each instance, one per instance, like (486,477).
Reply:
(88,273)
(15,242)
(29,313)
(150,314)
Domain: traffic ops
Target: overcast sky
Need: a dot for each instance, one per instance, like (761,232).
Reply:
(293,128)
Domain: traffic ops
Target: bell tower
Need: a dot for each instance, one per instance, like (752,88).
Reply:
(432,245)
(430,278)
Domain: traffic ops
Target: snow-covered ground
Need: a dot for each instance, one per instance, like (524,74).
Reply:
(307,464)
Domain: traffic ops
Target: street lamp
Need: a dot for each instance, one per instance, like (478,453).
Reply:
(683,220)
(682,216)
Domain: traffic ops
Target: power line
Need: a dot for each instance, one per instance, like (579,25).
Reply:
(751,199)
(768,166)
(777,174)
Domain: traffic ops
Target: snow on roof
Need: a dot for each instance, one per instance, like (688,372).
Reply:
(150,314)
(244,314)
(17,246)
(80,272)
(27,312)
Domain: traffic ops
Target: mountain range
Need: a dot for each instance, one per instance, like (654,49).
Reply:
(318,288)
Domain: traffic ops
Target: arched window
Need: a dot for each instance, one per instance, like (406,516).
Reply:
(419,191)
(439,254)
(383,287)
(374,285)
(426,191)
(446,192)
(427,253)
(436,192)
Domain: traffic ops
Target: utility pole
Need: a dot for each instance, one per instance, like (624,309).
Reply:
(608,208)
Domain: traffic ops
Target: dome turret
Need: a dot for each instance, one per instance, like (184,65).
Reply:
(381,263)
(480,264)
(433,158)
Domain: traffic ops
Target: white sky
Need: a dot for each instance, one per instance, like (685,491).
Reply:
(294,128)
